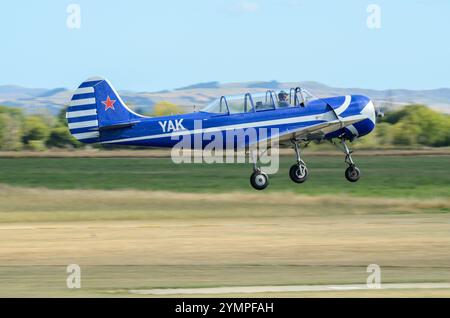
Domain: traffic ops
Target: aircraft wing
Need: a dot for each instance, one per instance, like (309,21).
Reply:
(314,132)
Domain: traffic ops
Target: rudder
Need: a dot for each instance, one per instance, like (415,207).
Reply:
(95,104)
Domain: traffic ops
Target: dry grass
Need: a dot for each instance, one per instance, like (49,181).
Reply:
(138,239)
(346,241)
(41,205)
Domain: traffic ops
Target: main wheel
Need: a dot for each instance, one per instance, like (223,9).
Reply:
(352,174)
(259,180)
(298,173)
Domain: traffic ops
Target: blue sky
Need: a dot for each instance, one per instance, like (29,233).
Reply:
(154,45)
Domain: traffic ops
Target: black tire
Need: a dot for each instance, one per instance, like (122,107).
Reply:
(352,174)
(259,180)
(298,173)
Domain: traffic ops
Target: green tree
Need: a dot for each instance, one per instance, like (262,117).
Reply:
(166,108)
(35,130)
(61,118)
(418,124)
(11,128)
(384,133)
(405,134)
(60,137)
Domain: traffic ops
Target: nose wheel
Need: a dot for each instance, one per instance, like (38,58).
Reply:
(298,172)
(352,173)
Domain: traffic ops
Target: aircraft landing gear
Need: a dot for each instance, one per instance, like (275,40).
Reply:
(298,172)
(259,180)
(352,173)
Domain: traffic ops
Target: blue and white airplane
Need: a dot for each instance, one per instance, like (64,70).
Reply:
(97,114)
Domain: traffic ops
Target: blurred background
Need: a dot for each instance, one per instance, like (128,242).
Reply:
(172,57)
(135,221)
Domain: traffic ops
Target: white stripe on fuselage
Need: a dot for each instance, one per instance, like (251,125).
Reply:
(224,128)
(324,117)
(353,130)
(344,106)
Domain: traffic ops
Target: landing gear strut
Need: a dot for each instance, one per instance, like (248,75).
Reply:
(259,180)
(352,173)
(298,172)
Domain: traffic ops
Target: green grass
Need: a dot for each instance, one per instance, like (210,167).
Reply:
(390,176)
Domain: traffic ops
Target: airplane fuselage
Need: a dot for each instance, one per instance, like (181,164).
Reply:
(162,131)
(97,114)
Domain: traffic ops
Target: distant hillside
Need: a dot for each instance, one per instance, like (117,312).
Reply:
(38,100)
(200,85)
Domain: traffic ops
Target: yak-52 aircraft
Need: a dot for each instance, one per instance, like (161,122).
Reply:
(97,114)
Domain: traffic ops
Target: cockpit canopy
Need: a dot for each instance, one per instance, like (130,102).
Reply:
(270,100)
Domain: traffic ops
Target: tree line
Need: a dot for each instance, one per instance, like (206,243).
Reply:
(410,126)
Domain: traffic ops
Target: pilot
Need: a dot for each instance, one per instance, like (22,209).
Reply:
(283,99)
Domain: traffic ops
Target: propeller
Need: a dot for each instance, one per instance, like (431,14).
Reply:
(379,111)
(386,104)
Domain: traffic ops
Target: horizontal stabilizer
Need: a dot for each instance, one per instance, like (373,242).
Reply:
(118,126)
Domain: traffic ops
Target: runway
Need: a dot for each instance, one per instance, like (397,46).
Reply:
(278,289)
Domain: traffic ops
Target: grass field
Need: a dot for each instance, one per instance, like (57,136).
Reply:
(147,223)
(191,242)
(393,176)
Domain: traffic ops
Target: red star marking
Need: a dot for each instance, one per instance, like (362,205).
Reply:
(109,103)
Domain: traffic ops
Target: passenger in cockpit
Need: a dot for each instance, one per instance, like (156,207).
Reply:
(283,99)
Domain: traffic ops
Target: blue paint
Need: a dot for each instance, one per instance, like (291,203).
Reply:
(112,114)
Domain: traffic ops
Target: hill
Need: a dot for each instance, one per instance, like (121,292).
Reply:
(38,100)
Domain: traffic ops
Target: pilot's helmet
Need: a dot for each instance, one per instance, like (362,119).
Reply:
(282,96)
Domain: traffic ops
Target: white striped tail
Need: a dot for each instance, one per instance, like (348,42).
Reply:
(82,114)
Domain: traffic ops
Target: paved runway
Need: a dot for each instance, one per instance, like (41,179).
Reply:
(277,289)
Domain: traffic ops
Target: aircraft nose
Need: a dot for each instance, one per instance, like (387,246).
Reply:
(367,108)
